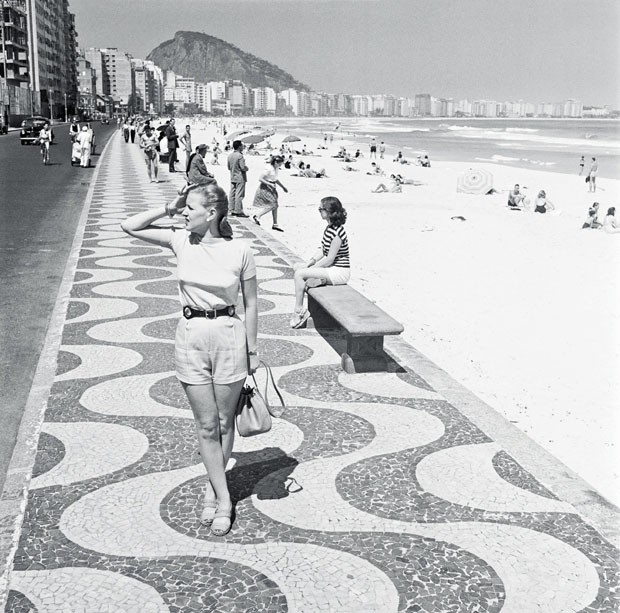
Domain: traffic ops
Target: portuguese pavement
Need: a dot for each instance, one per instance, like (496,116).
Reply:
(373,492)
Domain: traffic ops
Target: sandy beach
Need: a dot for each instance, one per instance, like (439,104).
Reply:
(519,307)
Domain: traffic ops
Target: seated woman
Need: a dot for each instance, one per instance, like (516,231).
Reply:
(330,264)
(394,188)
(425,163)
(197,173)
(542,204)
(610,225)
(592,221)
(350,168)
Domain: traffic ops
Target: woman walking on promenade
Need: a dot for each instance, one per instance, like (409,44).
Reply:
(266,197)
(330,264)
(214,350)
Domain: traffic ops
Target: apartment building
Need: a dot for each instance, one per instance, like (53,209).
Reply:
(52,49)
(15,98)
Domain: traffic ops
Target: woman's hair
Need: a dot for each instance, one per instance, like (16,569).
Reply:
(276,159)
(611,210)
(542,192)
(214,196)
(336,214)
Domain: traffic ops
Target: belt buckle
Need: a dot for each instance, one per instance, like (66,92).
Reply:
(211,314)
(187,312)
(231,311)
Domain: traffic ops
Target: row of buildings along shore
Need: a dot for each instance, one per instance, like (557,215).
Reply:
(43,72)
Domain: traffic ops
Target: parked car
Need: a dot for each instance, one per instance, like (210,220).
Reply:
(30,128)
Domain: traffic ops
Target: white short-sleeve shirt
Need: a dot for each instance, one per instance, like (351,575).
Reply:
(269,174)
(210,271)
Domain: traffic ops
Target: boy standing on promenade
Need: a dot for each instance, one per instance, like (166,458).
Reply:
(186,141)
(238,178)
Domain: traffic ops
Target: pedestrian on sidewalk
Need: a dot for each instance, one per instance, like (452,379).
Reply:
(126,131)
(214,349)
(238,178)
(85,138)
(149,142)
(330,265)
(173,145)
(266,197)
(186,141)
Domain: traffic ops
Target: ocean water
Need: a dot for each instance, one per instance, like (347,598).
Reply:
(544,144)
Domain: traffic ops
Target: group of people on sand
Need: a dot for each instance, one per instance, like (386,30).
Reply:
(609,224)
(519,201)
(215,350)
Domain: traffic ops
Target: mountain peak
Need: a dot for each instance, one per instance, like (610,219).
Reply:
(207,58)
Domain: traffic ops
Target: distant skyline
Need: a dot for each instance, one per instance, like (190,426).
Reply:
(535,50)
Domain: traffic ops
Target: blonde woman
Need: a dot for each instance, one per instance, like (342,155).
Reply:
(214,349)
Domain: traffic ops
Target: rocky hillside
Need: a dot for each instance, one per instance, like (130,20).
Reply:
(206,58)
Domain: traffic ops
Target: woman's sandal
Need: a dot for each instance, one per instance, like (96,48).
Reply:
(222,521)
(208,512)
(299,319)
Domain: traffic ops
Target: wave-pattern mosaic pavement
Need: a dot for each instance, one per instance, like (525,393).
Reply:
(372,493)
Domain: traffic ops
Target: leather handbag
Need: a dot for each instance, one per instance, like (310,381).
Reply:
(253,414)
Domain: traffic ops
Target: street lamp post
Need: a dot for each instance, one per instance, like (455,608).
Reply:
(66,110)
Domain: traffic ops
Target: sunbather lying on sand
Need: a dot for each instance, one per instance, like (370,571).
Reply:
(394,188)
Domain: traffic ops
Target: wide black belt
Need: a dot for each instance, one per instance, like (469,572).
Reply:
(189,312)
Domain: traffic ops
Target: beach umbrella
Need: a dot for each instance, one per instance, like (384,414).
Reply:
(237,134)
(252,139)
(291,139)
(474,181)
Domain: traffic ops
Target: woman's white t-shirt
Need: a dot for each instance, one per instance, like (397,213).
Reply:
(270,174)
(210,271)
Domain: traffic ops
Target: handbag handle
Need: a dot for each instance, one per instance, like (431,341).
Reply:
(275,387)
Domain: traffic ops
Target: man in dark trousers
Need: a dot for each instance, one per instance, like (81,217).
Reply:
(238,178)
(173,145)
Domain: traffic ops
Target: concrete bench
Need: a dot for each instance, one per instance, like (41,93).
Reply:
(365,324)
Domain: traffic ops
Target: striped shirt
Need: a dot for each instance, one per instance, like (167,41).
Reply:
(342,257)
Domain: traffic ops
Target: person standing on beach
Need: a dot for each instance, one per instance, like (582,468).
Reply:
(381,149)
(173,145)
(238,179)
(592,175)
(330,265)
(186,141)
(266,198)
(373,149)
(582,163)
(214,349)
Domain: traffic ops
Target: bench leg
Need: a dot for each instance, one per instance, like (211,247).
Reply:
(364,354)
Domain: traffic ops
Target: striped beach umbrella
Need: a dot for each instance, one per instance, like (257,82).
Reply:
(474,181)
(252,139)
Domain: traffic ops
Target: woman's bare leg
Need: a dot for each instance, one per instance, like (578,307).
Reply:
(301,276)
(214,409)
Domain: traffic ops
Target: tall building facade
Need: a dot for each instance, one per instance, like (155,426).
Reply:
(52,46)
(15,98)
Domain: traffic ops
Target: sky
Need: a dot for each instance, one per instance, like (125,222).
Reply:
(534,50)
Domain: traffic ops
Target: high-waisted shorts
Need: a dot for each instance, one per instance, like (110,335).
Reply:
(210,350)
(337,275)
